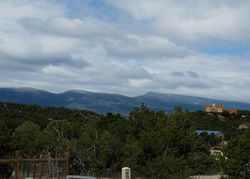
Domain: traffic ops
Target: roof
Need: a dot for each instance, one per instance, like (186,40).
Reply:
(199,132)
(245,124)
(213,105)
(232,110)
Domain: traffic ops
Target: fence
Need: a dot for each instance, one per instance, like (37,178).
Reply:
(42,167)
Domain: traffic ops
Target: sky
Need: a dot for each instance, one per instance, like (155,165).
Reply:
(194,47)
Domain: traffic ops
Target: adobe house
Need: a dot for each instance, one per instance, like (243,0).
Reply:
(214,108)
(232,111)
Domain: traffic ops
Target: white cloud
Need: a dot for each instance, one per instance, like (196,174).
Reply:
(57,70)
(193,21)
(37,46)
(154,46)
(15,9)
(78,28)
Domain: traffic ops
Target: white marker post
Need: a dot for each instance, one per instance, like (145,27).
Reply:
(126,173)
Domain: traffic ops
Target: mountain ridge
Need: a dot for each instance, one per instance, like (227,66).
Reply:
(110,102)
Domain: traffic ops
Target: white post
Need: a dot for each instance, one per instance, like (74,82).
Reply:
(126,173)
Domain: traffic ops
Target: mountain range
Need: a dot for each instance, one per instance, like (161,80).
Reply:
(106,102)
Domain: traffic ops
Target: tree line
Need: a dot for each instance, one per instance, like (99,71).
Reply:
(152,143)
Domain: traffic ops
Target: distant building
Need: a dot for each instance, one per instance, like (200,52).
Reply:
(214,108)
(244,126)
(217,154)
(243,117)
(232,111)
(218,134)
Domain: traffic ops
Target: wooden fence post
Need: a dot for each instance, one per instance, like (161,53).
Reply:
(48,166)
(66,164)
(57,167)
(40,167)
(17,157)
(34,167)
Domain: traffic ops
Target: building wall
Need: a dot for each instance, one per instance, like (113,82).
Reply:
(214,108)
(243,126)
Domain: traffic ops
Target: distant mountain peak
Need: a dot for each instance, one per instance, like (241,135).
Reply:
(77,91)
(150,93)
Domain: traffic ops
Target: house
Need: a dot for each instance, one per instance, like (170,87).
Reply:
(214,108)
(232,111)
(217,134)
(244,126)
(216,153)
(217,108)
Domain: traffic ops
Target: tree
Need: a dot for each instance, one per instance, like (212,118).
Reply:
(5,149)
(168,167)
(178,109)
(54,137)
(25,138)
(93,152)
(238,163)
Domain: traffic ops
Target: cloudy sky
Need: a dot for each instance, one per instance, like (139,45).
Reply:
(194,47)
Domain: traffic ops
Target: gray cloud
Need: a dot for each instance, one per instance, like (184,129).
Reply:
(154,48)
(178,73)
(147,47)
(192,74)
(193,22)
(115,41)
(181,80)
(77,28)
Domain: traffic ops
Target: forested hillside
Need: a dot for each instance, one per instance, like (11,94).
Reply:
(153,144)
(106,102)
